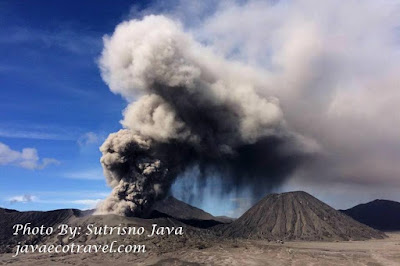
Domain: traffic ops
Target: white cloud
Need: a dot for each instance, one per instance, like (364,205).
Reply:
(32,135)
(22,199)
(68,39)
(87,203)
(81,203)
(39,131)
(72,193)
(26,158)
(88,174)
(89,138)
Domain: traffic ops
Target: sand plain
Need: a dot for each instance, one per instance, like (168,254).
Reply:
(237,252)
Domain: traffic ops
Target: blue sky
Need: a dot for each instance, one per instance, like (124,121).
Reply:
(54,100)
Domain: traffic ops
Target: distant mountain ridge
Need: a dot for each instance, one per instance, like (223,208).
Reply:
(379,214)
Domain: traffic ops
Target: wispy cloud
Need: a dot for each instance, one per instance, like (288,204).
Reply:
(80,203)
(89,138)
(50,132)
(32,135)
(88,174)
(86,203)
(39,131)
(26,158)
(83,203)
(69,40)
(72,194)
(22,199)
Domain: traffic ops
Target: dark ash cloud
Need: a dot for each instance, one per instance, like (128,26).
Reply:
(191,108)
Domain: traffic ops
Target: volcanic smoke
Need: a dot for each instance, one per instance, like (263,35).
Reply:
(188,108)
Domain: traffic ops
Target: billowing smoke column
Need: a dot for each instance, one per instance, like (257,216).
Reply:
(188,108)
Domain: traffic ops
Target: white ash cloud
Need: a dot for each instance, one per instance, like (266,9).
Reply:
(188,107)
(26,158)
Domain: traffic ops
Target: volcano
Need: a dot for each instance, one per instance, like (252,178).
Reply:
(297,216)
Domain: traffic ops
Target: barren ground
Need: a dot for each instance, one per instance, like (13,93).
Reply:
(239,252)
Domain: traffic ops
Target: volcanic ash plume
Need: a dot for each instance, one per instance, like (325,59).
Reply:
(188,108)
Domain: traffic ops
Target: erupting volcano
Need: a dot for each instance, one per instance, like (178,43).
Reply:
(188,108)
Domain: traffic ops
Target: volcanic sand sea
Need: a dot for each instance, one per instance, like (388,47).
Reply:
(240,252)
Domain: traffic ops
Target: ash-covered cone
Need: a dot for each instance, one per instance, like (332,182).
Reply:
(297,216)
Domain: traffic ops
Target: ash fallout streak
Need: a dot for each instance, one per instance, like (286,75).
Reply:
(187,108)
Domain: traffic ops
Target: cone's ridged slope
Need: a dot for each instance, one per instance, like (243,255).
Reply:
(297,216)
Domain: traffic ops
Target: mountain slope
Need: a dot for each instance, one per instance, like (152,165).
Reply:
(180,210)
(379,214)
(297,216)
(174,208)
